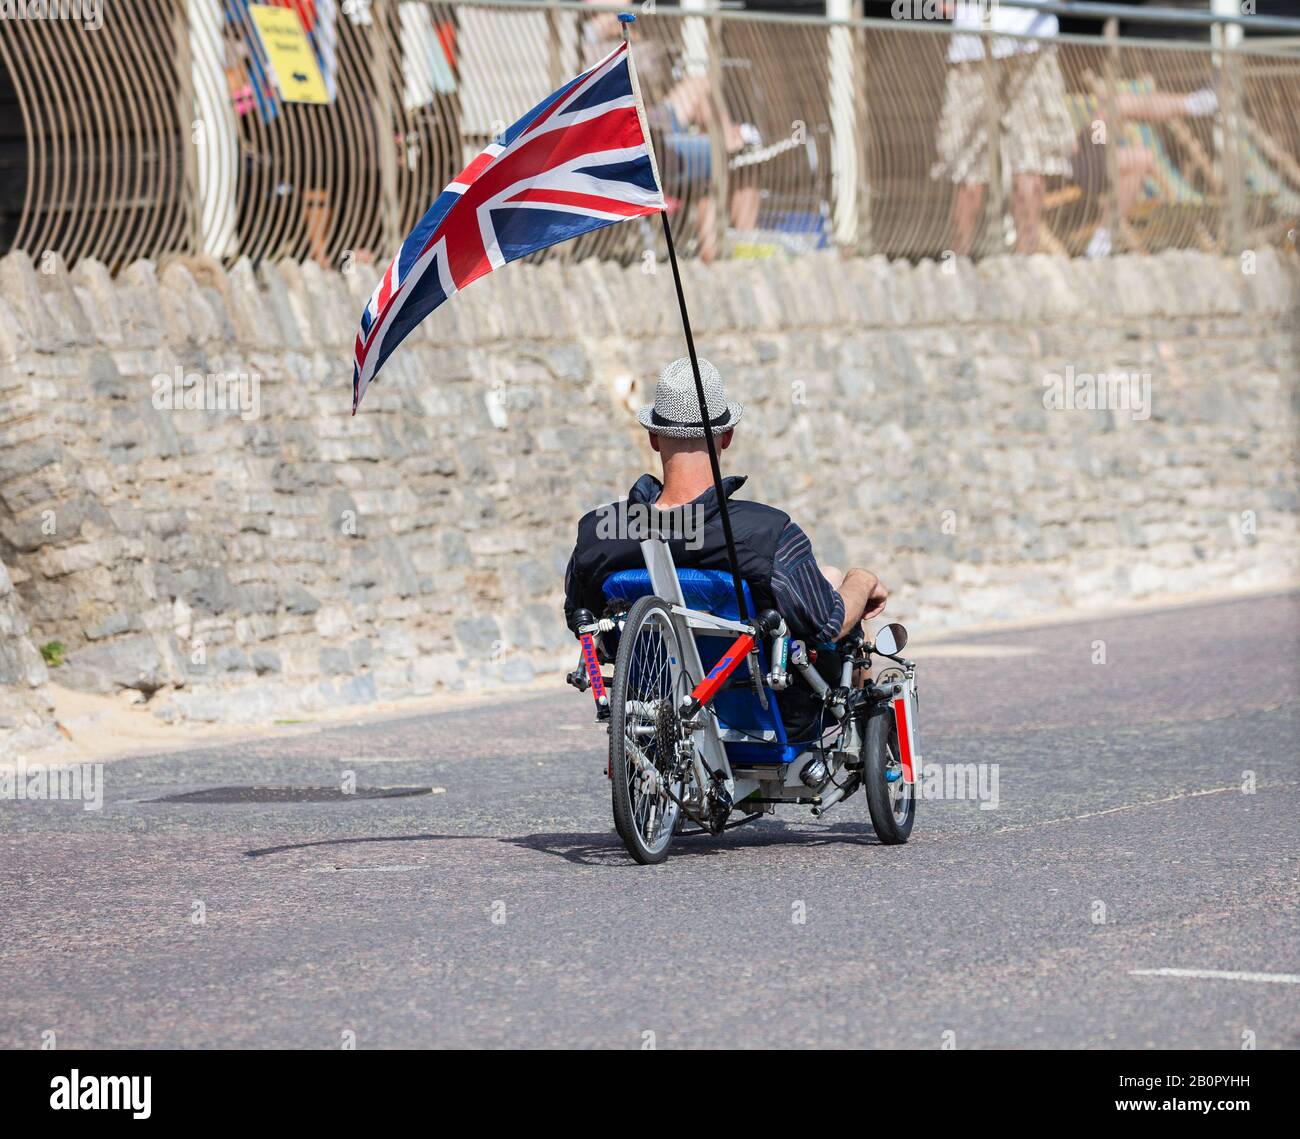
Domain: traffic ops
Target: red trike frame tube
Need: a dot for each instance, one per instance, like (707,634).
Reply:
(904,737)
(594,676)
(707,688)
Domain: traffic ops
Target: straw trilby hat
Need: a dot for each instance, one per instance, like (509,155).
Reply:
(676,409)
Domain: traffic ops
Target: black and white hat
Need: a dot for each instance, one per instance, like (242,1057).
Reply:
(676,409)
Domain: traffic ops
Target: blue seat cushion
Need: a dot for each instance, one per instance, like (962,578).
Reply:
(712,591)
(709,590)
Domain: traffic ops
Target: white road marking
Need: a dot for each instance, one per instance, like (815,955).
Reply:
(1219,975)
(1132,807)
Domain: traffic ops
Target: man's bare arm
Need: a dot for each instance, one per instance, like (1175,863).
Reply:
(864,597)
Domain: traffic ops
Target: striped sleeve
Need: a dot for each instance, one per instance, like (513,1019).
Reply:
(813,611)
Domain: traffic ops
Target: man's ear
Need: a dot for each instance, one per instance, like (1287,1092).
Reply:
(654,442)
(724,440)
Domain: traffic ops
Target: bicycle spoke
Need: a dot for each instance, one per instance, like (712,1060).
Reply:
(647,694)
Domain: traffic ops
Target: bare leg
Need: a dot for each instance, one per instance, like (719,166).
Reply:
(1027,210)
(707,219)
(744,208)
(1135,163)
(967,204)
(1157,106)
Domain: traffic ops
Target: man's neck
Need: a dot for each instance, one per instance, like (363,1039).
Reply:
(686,477)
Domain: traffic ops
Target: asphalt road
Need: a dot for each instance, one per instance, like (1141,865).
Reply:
(501,910)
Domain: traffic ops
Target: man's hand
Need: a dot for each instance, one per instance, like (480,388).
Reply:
(864,597)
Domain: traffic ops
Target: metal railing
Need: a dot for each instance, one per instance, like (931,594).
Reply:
(164,131)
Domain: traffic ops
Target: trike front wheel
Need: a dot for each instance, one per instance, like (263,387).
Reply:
(892,802)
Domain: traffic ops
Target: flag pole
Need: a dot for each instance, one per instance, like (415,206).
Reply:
(625,21)
(708,431)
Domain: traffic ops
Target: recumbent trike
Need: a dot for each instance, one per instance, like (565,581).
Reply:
(695,732)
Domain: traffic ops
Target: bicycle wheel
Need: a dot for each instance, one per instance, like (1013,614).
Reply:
(644,731)
(892,802)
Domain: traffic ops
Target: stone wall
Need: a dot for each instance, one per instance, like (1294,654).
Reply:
(267,560)
(24,701)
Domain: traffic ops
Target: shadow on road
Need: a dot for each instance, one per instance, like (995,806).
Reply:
(606,849)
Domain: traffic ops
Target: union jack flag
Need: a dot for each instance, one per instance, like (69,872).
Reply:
(577,161)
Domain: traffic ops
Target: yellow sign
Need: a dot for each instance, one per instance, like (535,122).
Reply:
(289,53)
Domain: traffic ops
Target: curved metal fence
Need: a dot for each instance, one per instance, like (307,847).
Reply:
(169,128)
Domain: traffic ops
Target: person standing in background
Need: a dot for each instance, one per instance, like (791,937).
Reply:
(1037,135)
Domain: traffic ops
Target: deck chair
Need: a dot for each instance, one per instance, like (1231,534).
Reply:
(1168,199)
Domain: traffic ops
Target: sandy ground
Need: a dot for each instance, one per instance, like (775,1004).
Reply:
(97,728)
(106,727)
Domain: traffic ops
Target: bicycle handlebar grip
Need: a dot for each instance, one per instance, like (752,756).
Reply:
(767,622)
(852,639)
(579,618)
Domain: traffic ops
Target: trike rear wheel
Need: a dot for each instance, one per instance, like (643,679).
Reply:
(644,731)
